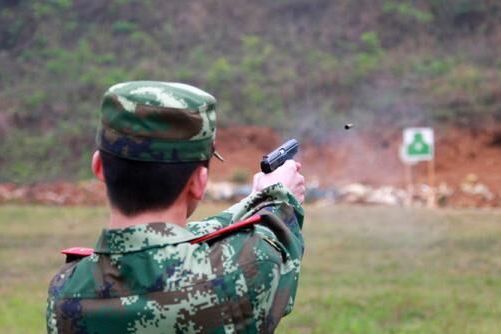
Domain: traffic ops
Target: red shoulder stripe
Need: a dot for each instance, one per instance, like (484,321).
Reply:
(228,229)
(78,251)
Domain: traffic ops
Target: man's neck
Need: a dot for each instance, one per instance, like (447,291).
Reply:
(175,214)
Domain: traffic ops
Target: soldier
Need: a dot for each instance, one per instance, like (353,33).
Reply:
(151,271)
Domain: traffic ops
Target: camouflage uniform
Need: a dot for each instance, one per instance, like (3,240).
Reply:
(151,279)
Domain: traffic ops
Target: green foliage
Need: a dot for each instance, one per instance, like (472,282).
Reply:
(407,10)
(464,78)
(300,67)
(46,8)
(435,67)
(326,62)
(458,17)
(467,93)
(35,100)
(123,27)
(220,73)
(369,59)
(255,54)
(28,157)
(26,153)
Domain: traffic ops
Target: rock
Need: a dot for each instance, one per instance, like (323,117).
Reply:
(472,186)
(387,196)
(354,193)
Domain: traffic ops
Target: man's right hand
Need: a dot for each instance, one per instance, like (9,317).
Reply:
(288,174)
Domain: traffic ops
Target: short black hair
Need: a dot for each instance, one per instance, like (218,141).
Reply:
(134,187)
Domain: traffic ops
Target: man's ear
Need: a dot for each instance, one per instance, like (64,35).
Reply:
(198,183)
(97,166)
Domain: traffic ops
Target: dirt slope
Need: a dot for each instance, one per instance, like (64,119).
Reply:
(466,165)
(370,158)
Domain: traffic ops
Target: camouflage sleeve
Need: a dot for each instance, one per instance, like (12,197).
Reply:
(278,254)
(282,230)
(51,316)
(274,198)
(55,288)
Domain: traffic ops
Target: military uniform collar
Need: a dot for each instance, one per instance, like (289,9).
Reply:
(139,237)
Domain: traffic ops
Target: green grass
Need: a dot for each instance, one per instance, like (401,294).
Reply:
(382,270)
(366,270)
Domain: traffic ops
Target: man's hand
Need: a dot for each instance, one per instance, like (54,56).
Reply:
(288,174)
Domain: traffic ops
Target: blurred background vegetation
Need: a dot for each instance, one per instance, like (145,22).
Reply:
(298,66)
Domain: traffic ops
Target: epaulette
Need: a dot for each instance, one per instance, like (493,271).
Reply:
(228,229)
(76,253)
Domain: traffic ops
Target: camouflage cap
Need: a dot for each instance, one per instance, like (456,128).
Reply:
(157,121)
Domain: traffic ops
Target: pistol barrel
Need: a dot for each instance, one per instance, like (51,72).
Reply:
(277,157)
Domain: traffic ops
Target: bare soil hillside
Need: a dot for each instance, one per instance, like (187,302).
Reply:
(467,165)
(462,156)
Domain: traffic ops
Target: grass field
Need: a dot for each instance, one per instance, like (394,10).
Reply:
(366,269)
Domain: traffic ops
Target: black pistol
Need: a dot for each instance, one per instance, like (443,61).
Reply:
(277,157)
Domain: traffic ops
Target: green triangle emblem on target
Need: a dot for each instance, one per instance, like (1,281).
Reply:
(418,146)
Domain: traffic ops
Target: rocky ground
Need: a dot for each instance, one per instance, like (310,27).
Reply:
(348,166)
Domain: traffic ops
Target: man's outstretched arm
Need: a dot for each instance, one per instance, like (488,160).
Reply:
(273,247)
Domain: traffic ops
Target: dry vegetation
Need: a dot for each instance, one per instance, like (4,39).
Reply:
(300,66)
